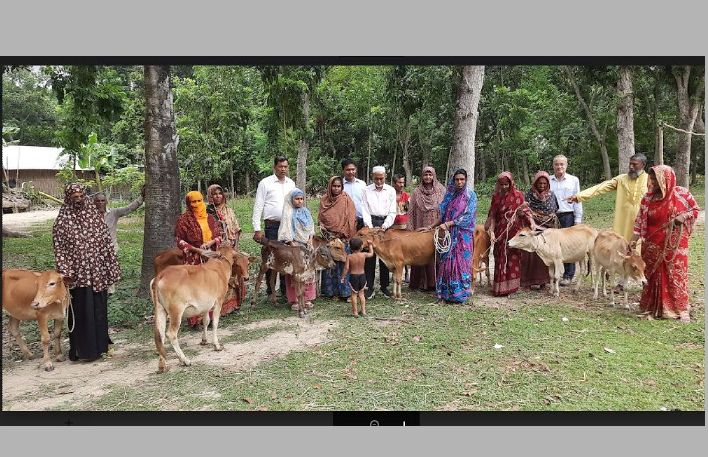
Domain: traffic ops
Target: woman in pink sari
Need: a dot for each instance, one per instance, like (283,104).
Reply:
(664,223)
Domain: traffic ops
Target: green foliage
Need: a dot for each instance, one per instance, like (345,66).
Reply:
(28,104)
(130,177)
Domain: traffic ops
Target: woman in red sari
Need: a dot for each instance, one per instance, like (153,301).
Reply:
(664,223)
(195,231)
(503,222)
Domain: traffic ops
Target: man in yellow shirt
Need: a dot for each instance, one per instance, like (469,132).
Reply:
(630,188)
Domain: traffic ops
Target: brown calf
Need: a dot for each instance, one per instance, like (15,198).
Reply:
(36,296)
(296,260)
(612,254)
(398,248)
(190,290)
(480,255)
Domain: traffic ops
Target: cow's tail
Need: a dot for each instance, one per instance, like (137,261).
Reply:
(160,325)
(589,265)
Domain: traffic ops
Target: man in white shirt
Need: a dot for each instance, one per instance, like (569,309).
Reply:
(354,187)
(270,200)
(564,186)
(378,209)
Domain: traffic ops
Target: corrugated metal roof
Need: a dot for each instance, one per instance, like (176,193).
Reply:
(34,158)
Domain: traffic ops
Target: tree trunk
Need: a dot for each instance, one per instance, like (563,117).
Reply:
(406,150)
(304,145)
(659,153)
(593,125)
(368,157)
(658,129)
(162,188)
(527,179)
(231,174)
(482,167)
(625,117)
(248,183)
(689,105)
(465,126)
(393,166)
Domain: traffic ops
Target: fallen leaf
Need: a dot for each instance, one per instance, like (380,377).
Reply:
(317,386)
(611,351)
(564,319)
(540,319)
(498,346)
(417,338)
(247,400)
(262,408)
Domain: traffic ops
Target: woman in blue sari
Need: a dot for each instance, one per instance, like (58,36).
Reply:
(458,212)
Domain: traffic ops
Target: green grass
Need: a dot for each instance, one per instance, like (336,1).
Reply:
(420,356)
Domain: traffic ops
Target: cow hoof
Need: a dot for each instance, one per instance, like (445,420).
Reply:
(27,356)
(48,366)
(60,358)
(203,342)
(187,363)
(219,348)
(301,314)
(163,369)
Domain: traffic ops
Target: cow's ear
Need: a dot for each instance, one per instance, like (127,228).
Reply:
(37,274)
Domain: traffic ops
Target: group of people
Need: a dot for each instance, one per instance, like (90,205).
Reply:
(650,208)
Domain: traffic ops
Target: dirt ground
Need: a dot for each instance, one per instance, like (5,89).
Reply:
(75,385)
(22,221)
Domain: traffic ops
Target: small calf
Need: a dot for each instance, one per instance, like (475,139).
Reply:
(612,254)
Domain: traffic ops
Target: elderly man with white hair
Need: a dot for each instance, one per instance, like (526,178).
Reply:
(379,209)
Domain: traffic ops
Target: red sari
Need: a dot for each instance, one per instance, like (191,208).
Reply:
(666,293)
(507,261)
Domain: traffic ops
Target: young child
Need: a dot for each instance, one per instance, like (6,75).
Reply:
(357,279)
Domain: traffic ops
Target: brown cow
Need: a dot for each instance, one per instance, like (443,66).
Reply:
(612,254)
(34,296)
(398,248)
(190,290)
(296,260)
(239,274)
(480,255)
(336,248)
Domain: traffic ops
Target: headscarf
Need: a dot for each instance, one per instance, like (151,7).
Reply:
(225,214)
(428,197)
(337,213)
(542,202)
(296,224)
(673,199)
(457,201)
(83,249)
(200,213)
(504,204)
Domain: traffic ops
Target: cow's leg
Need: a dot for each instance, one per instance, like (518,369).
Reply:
(578,277)
(271,281)
(557,273)
(596,281)
(56,336)
(257,284)
(14,328)
(42,323)
(172,331)
(215,325)
(300,297)
(612,289)
(205,321)
(160,324)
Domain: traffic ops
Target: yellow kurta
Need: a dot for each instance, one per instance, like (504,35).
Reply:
(629,195)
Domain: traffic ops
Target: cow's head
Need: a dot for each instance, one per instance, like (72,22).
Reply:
(336,249)
(51,288)
(526,240)
(242,260)
(323,258)
(368,234)
(633,265)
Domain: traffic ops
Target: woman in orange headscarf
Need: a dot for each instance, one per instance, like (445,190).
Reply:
(196,230)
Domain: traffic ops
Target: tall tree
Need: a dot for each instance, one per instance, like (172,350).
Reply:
(465,127)
(162,195)
(625,117)
(601,138)
(690,83)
